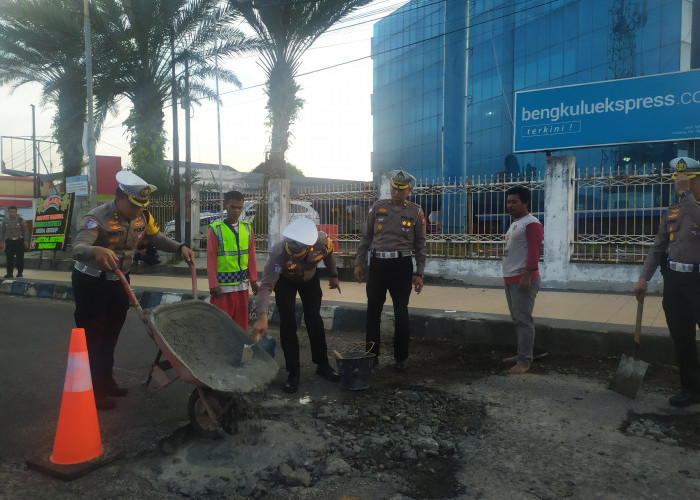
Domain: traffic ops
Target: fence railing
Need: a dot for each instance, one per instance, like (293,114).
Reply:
(617,212)
(616,215)
(464,219)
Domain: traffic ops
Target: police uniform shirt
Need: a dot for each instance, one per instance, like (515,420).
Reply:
(14,227)
(391,228)
(299,269)
(105,227)
(679,234)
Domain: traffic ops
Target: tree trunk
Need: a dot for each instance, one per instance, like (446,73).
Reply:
(282,108)
(68,126)
(145,124)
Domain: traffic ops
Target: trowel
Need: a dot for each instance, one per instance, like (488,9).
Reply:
(631,370)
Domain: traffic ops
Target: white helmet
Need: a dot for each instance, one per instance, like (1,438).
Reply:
(302,230)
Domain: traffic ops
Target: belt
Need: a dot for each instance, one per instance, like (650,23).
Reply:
(97,273)
(390,255)
(681,267)
(15,239)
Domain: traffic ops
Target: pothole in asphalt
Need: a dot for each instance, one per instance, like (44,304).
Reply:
(681,430)
(414,432)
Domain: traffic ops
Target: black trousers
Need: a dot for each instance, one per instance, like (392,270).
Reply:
(395,275)
(14,251)
(681,303)
(310,294)
(100,308)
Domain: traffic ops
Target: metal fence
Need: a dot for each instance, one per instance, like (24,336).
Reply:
(616,215)
(206,206)
(617,212)
(465,219)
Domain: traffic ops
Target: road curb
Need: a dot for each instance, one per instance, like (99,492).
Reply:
(565,337)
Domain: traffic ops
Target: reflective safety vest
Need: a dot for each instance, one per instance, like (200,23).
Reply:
(232,253)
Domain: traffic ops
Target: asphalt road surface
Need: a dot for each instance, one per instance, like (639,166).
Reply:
(454,426)
(35,340)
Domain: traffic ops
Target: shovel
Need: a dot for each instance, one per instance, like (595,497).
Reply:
(630,371)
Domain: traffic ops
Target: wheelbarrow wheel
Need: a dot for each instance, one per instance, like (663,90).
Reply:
(206,425)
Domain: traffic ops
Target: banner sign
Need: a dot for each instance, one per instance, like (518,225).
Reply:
(52,222)
(77,184)
(643,109)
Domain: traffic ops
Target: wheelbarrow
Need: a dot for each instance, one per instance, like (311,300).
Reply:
(209,350)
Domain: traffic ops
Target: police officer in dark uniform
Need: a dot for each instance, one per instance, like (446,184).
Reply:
(394,233)
(292,267)
(106,241)
(677,250)
(14,238)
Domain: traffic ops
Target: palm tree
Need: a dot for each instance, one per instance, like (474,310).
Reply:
(138,52)
(41,41)
(287,29)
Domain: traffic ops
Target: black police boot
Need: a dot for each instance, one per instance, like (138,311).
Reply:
(112,389)
(400,365)
(685,398)
(292,384)
(103,401)
(326,371)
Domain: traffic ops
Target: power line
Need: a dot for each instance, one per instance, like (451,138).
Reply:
(441,35)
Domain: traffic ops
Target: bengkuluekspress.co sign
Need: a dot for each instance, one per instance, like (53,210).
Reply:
(644,109)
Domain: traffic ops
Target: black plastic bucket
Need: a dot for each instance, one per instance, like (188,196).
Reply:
(355,370)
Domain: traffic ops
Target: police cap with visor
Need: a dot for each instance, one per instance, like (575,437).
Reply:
(135,188)
(401,179)
(300,234)
(685,166)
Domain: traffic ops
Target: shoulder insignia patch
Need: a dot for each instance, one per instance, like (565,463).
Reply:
(276,268)
(91,223)
(151,226)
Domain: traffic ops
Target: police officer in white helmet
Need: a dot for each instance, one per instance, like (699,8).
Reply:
(292,267)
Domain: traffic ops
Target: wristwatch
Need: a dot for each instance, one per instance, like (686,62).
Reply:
(333,275)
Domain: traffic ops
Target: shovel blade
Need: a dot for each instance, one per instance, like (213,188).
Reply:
(628,377)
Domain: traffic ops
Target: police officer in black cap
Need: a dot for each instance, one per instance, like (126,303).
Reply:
(677,250)
(106,241)
(394,234)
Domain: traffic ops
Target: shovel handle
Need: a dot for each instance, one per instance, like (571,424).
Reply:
(134,302)
(193,272)
(638,323)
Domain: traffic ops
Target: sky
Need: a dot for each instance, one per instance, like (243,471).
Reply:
(332,137)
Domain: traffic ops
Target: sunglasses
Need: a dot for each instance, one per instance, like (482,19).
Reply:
(296,248)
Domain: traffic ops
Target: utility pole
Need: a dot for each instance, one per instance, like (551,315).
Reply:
(218,122)
(188,156)
(35,168)
(90,125)
(176,141)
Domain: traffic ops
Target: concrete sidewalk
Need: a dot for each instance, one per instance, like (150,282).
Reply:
(569,322)
(585,307)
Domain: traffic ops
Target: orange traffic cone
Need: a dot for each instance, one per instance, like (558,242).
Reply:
(78,432)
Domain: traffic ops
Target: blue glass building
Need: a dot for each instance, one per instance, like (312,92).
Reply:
(446,72)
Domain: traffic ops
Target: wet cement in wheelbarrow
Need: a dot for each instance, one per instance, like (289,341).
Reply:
(210,344)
